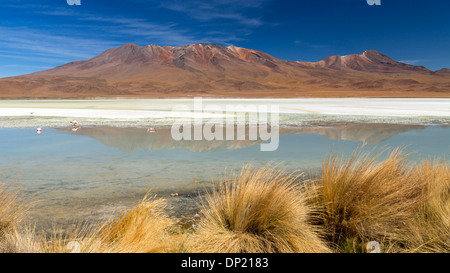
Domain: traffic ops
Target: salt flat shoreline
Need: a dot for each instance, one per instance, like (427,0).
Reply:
(166,111)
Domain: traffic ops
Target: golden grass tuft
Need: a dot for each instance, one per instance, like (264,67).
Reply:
(12,209)
(82,238)
(431,229)
(142,229)
(22,240)
(261,211)
(360,198)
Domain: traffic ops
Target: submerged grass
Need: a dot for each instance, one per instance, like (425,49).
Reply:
(350,203)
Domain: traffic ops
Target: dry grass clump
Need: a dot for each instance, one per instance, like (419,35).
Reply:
(431,229)
(360,198)
(23,240)
(257,212)
(12,209)
(143,229)
(82,238)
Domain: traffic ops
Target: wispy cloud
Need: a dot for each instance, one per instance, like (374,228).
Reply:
(149,31)
(138,28)
(39,43)
(212,12)
(43,59)
(414,62)
(232,10)
(313,46)
(69,42)
(26,66)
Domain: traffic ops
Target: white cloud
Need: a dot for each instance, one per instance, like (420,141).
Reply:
(414,62)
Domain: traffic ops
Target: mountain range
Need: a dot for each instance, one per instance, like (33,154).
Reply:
(211,70)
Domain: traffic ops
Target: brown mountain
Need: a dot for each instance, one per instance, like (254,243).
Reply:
(443,72)
(214,70)
(369,61)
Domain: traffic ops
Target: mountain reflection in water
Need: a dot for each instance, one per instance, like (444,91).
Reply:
(131,140)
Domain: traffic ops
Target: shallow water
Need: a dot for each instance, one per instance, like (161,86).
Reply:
(96,170)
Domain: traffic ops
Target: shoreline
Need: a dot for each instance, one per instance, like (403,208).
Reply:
(251,94)
(159,112)
(183,208)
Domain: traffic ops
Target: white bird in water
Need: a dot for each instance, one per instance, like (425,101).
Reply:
(38,130)
(74,122)
(76,125)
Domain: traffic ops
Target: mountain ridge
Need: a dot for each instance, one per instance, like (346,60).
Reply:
(214,70)
(369,60)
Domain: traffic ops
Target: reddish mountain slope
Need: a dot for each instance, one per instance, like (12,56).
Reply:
(369,61)
(214,70)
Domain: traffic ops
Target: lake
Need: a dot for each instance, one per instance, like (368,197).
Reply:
(90,172)
(87,172)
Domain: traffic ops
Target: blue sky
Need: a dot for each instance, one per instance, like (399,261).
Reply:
(41,34)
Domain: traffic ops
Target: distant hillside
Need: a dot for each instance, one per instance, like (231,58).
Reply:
(214,70)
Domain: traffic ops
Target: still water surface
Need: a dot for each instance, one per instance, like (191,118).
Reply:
(95,170)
